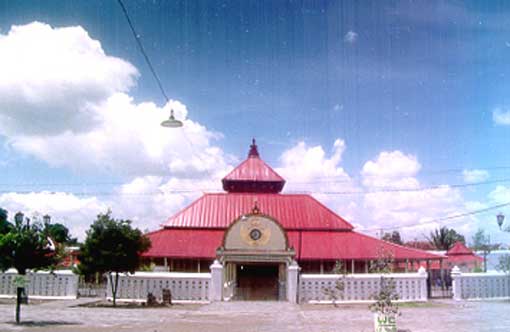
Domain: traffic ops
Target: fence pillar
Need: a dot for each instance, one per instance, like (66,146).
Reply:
(456,275)
(423,283)
(216,287)
(292,282)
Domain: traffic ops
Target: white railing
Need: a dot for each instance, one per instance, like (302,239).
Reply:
(184,287)
(313,288)
(60,284)
(478,286)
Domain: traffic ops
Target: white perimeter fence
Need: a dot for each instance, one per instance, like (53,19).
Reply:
(184,287)
(480,286)
(61,284)
(313,288)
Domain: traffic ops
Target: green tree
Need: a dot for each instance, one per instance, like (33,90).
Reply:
(5,226)
(444,238)
(385,298)
(60,233)
(112,247)
(393,237)
(482,242)
(25,247)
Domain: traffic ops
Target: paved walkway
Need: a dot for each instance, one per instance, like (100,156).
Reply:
(255,316)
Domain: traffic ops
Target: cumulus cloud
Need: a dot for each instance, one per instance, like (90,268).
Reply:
(66,102)
(310,169)
(350,37)
(53,78)
(501,117)
(475,175)
(75,212)
(396,198)
(391,169)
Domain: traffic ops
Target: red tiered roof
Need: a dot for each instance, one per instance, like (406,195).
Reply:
(314,231)
(253,175)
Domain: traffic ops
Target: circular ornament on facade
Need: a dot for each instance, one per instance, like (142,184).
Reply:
(255,234)
(255,231)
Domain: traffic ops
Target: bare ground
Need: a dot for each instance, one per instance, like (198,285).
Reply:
(437,316)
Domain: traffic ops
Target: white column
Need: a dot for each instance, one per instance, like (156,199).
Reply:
(423,283)
(292,282)
(456,275)
(216,286)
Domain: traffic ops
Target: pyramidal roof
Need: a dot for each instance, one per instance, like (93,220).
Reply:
(459,249)
(253,175)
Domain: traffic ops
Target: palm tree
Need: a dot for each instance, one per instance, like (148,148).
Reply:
(444,238)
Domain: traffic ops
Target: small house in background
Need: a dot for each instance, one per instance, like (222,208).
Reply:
(463,257)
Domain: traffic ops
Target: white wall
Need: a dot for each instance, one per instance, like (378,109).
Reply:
(478,286)
(361,287)
(184,287)
(61,284)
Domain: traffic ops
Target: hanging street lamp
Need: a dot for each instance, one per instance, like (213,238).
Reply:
(172,122)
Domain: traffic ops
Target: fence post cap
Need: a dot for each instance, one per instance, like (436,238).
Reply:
(422,270)
(216,265)
(455,270)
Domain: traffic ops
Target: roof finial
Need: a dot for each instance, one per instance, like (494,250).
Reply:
(254,152)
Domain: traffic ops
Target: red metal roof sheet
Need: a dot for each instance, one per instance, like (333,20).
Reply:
(184,243)
(291,211)
(459,249)
(350,245)
(308,245)
(253,169)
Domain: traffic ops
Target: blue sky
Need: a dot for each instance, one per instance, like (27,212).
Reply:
(422,78)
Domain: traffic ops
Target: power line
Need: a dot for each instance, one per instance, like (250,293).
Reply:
(377,188)
(142,50)
(158,81)
(456,216)
(309,192)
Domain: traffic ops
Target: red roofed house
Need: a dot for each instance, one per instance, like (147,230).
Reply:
(255,231)
(462,257)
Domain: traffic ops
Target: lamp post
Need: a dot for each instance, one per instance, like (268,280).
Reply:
(500,218)
(46,219)
(18,218)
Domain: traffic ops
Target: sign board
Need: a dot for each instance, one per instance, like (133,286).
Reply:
(20,281)
(385,323)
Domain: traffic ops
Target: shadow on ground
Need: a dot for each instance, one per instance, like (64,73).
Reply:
(43,323)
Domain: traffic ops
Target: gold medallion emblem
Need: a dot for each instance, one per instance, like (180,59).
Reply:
(255,232)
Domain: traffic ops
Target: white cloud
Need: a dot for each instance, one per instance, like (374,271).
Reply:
(77,213)
(391,169)
(309,169)
(52,79)
(501,117)
(475,175)
(396,197)
(130,141)
(350,37)
(67,103)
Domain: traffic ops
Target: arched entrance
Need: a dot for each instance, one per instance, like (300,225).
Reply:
(255,253)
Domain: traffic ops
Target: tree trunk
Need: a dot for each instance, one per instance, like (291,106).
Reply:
(114,286)
(19,292)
